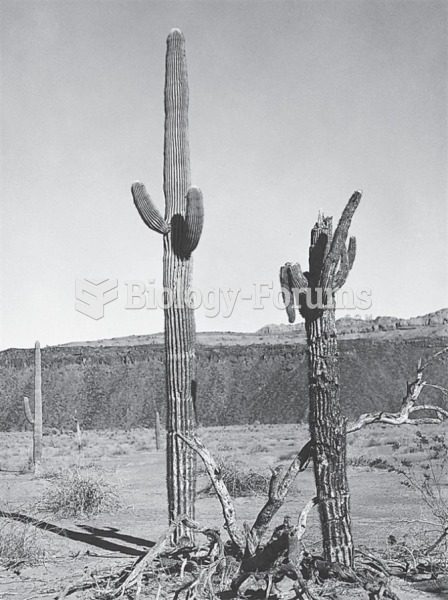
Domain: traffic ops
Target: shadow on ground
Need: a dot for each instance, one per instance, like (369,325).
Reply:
(93,537)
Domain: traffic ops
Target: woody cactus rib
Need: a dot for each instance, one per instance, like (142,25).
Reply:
(330,261)
(181,229)
(36,420)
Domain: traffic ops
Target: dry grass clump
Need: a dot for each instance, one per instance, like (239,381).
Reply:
(287,455)
(239,481)
(79,492)
(20,544)
(359,461)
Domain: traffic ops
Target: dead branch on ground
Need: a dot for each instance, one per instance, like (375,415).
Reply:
(408,405)
(214,472)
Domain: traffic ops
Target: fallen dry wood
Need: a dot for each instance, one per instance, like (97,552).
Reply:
(278,489)
(214,472)
(285,537)
(141,564)
(281,557)
(403,416)
(408,406)
(438,541)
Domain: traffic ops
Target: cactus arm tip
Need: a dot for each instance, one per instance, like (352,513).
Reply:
(37,344)
(175,33)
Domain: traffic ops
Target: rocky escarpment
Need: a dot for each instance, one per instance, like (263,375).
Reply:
(121,386)
(432,324)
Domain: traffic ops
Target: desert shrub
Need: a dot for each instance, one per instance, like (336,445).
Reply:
(421,439)
(20,543)
(120,451)
(380,463)
(77,492)
(288,455)
(359,461)
(258,449)
(224,448)
(374,440)
(430,478)
(417,549)
(239,481)
(27,466)
(142,445)
(51,472)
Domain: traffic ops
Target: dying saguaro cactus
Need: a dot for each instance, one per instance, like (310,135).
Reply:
(181,230)
(330,261)
(36,420)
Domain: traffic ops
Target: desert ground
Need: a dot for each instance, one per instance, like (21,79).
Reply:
(44,549)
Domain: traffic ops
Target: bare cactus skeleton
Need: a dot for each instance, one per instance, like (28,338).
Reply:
(330,261)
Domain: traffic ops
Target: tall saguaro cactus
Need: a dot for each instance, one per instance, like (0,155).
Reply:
(36,421)
(181,229)
(330,261)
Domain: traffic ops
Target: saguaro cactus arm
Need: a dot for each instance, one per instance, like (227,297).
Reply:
(347,260)
(194,219)
(28,415)
(339,239)
(295,283)
(298,279)
(147,209)
(186,231)
(328,251)
(287,292)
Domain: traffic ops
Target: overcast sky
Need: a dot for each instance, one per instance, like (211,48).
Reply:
(293,106)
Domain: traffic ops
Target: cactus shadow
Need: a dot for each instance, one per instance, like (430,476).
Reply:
(94,537)
(113,532)
(178,234)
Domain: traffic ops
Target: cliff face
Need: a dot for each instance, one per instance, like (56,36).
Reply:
(432,324)
(121,386)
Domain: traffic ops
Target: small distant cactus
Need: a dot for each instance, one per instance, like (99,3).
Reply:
(36,421)
(157,430)
(78,431)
